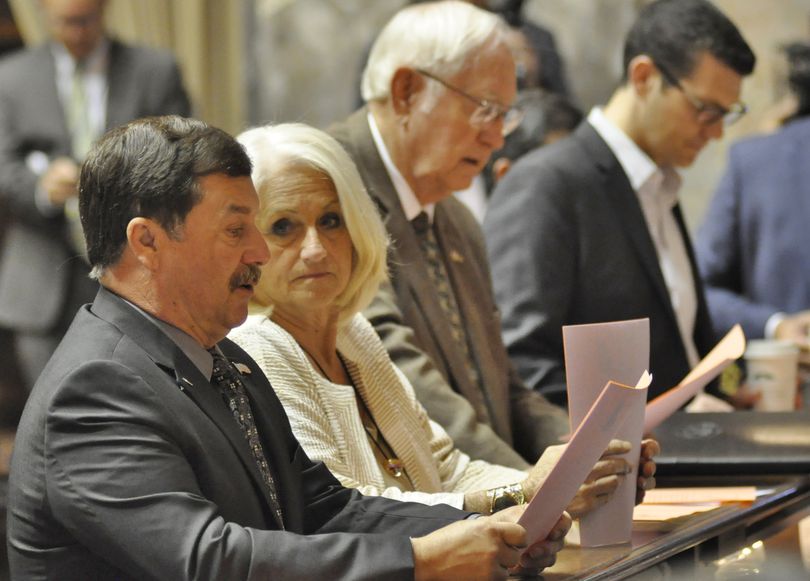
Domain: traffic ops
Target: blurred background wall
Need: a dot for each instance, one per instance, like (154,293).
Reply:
(306,57)
(247,62)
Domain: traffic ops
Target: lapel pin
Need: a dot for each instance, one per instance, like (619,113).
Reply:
(456,257)
(182,381)
(242,368)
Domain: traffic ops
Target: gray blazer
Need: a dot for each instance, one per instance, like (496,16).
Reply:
(127,465)
(483,423)
(42,281)
(569,244)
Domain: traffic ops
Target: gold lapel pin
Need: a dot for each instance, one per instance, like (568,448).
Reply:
(456,257)
(242,368)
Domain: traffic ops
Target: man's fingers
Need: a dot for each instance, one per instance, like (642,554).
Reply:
(607,467)
(593,494)
(650,448)
(616,447)
(511,534)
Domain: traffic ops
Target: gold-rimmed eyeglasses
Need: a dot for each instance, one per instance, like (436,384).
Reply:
(707,114)
(486,111)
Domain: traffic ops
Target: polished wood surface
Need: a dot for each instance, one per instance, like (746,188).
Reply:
(692,543)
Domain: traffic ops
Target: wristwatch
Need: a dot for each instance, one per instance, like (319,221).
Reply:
(505,496)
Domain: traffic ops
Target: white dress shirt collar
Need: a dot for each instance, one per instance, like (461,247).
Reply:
(407,198)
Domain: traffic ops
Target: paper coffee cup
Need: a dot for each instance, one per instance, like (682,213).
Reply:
(771,371)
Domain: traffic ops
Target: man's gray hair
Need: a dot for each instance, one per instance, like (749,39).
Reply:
(438,37)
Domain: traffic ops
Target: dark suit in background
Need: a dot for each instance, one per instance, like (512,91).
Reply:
(754,246)
(486,422)
(42,279)
(129,466)
(569,244)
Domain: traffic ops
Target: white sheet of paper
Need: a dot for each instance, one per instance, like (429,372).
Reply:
(594,354)
(583,450)
(729,349)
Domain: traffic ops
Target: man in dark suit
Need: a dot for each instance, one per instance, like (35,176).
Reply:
(754,246)
(589,229)
(153,448)
(427,130)
(54,100)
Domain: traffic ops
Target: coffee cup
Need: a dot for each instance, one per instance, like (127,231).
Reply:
(771,371)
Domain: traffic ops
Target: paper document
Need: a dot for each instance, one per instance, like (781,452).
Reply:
(701,494)
(664,512)
(729,349)
(594,354)
(581,453)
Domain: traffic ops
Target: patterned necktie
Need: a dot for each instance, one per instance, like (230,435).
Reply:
(233,393)
(447,299)
(78,115)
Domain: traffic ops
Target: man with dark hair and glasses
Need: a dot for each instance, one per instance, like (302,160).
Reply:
(439,86)
(589,229)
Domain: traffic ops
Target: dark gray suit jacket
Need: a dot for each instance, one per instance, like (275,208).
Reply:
(128,465)
(42,280)
(568,244)
(407,315)
(754,245)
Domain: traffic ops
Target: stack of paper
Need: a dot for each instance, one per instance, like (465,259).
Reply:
(668,504)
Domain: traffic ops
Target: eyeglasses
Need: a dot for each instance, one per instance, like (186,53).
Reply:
(487,111)
(706,114)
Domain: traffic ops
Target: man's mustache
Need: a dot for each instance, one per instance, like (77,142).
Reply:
(249,275)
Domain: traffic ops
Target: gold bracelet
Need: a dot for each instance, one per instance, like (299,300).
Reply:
(505,496)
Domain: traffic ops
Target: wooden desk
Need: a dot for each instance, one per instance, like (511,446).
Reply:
(692,543)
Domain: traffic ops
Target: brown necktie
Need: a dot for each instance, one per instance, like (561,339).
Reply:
(447,299)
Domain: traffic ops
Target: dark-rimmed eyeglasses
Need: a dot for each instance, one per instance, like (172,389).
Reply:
(706,114)
(486,111)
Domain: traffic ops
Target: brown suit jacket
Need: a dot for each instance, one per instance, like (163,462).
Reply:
(484,423)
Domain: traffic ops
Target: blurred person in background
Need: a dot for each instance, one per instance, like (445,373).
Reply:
(55,100)
(753,248)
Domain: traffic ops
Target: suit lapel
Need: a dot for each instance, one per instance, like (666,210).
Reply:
(122,87)
(44,87)
(630,218)
(184,374)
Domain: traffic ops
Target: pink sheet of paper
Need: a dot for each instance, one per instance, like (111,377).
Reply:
(595,354)
(583,450)
(729,349)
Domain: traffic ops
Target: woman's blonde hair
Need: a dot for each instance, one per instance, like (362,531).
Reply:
(276,151)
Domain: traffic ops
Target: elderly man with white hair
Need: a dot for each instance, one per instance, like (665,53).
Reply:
(439,85)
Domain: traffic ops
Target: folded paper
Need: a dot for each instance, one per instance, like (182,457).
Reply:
(729,349)
(586,446)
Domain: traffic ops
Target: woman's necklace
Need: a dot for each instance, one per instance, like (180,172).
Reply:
(393,465)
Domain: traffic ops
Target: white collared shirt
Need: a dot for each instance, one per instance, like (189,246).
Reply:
(410,203)
(94,77)
(657,191)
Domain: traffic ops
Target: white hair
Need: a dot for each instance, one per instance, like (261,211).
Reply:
(438,37)
(276,151)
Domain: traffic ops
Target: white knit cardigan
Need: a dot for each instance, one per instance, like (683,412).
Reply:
(326,420)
